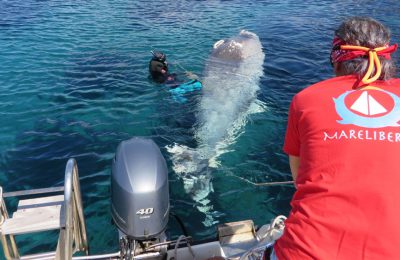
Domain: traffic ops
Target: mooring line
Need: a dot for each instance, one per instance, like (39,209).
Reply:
(274,183)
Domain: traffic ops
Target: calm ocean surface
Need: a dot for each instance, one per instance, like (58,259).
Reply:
(74,83)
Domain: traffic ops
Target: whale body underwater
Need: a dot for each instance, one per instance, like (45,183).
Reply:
(230,86)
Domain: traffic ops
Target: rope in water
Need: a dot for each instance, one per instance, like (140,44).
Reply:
(274,183)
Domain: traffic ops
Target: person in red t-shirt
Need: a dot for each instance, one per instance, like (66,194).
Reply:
(343,142)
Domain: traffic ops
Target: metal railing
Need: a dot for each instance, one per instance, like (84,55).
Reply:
(73,236)
(9,246)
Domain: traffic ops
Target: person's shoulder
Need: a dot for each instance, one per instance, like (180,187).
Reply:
(392,82)
(347,81)
(324,86)
(323,90)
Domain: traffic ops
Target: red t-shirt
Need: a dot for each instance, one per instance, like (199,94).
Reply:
(346,205)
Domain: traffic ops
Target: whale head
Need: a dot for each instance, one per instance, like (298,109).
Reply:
(237,48)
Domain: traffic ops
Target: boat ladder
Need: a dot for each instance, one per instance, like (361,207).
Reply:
(62,211)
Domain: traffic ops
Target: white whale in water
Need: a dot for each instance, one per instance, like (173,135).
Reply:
(230,86)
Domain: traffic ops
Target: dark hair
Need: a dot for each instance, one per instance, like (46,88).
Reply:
(159,56)
(366,32)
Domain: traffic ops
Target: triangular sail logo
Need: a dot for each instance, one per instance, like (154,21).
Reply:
(372,108)
(367,105)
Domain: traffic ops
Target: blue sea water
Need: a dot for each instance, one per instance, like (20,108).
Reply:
(74,83)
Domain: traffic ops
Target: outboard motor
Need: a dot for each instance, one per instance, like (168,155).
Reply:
(139,195)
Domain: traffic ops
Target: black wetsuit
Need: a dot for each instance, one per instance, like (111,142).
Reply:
(158,70)
(159,73)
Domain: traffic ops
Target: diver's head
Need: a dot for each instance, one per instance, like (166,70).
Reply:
(159,56)
(158,67)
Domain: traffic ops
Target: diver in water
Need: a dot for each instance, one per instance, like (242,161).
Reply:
(158,69)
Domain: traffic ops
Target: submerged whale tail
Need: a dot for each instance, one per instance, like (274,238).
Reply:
(185,160)
(192,168)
